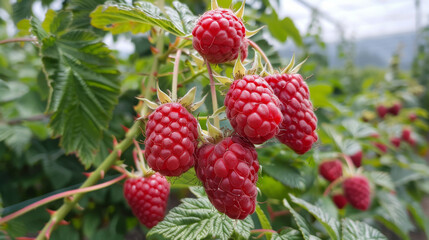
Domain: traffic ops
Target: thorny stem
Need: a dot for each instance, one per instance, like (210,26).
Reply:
(132,133)
(175,75)
(257,48)
(332,185)
(18,40)
(213,93)
(59,196)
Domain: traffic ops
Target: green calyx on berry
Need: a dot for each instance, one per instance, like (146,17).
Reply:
(186,101)
(290,68)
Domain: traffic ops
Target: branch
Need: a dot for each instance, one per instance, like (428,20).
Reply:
(59,196)
(18,40)
(257,48)
(213,93)
(34,118)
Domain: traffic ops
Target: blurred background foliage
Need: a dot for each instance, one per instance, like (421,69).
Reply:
(33,165)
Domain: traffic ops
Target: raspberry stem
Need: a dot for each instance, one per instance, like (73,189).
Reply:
(59,196)
(257,48)
(27,39)
(332,185)
(349,162)
(213,93)
(175,75)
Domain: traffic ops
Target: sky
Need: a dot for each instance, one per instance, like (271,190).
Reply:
(359,18)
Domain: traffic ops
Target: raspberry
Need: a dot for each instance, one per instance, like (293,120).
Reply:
(244,49)
(395,141)
(331,170)
(357,158)
(394,110)
(339,200)
(380,146)
(381,111)
(171,139)
(147,198)
(412,117)
(229,171)
(299,124)
(406,134)
(218,35)
(253,109)
(357,192)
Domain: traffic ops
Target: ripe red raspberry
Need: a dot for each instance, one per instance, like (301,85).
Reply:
(412,117)
(381,146)
(229,171)
(406,134)
(339,200)
(244,49)
(357,192)
(218,35)
(299,124)
(253,109)
(394,110)
(381,111)
(357,158)
(395,141)
(171,139)
(147,198)
(331,170)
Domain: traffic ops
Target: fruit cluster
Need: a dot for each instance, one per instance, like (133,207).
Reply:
(259,107)
(355,187)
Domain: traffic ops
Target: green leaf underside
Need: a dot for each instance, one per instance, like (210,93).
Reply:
(303,225)
(331,225)
(198,219)
(139,18)
(289,234)
(354,230)
(84,83)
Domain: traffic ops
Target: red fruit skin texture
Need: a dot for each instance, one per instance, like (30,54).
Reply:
(339,200)
(252,109)
(218,35)
(357,192)
(394,110)
(412,117)
(381,146)
(299,124)
(147,198)
(357,159)
(331,170)
(171,139)
(381,111)
(244,49)
(395,141)
(229,171)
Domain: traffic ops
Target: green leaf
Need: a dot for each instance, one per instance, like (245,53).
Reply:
(16,137)
(319,94)
(264,221)
(289,234)
(393,214)
(224,3)
(331,224)
(419,216)
(355,230)
(198,191)
(10,91)
(197,219)
(289,26)
(120,18)
(287,175)
(382,179)
(358,129)
(303,225)
(84,83)
(185,180)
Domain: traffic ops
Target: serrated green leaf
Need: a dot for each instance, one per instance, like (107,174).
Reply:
(358,129)
(120,17)
(319,93)
(393,214)
(84,84)
(16,137)
(419,216)
(355,230)
(287,175)
(198,191)
(289,234)
(382,179)
(303,225)
(263,220)
(185,180)
(331,225)
(197,219)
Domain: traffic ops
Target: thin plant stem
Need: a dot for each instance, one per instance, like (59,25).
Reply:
(257,48)
(175,75)
(213,93)
(332,185)
(59,196)
(28,39)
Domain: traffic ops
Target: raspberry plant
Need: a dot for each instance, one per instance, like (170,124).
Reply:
(237,156)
